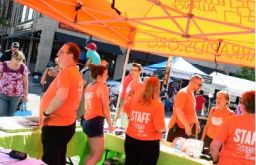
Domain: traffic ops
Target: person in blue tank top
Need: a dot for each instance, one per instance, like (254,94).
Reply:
(92,56)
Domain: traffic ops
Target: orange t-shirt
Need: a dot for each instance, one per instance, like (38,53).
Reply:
(185,100)
(70,78)
(135,88)
(215,120)
(239,137)
(93,100)
(144,120)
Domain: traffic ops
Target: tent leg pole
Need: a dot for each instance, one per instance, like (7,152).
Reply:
(122,81)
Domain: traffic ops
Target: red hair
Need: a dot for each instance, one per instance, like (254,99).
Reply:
(151,89)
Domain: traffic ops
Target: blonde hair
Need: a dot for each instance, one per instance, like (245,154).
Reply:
(196,76)
(18,55)
(137,65)
(151,89)
(226,94)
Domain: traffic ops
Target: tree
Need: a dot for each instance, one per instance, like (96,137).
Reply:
(3,22)
(247,73)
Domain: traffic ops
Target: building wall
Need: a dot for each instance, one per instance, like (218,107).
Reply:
(48,28)
(45,45)
(21,20)
(119,67)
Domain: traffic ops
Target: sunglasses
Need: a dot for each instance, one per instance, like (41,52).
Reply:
(199,84)
(134,70)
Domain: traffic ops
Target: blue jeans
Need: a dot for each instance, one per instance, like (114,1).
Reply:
(8,104)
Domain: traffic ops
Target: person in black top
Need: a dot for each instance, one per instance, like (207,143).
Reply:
(49,75)
(7,55)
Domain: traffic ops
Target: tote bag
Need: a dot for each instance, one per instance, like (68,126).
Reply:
(23,111)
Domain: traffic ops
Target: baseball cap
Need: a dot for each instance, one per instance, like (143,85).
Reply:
(15,45)
(91,46)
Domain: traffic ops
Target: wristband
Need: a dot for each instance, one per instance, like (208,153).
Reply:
(45,114)
(215,162)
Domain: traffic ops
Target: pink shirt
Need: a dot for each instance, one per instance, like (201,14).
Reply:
(200,100)
(127,80)
(11,82)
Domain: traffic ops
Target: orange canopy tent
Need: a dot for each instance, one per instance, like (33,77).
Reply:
(209,30)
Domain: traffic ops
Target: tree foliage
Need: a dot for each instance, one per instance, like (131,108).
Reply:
(247,73)
(3,22)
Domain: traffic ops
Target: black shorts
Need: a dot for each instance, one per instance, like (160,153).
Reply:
(176,131)
(93,127)
(207,141)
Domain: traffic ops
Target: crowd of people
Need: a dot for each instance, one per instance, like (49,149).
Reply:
(70,93)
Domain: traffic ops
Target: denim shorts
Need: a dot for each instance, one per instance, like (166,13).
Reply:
(93,127)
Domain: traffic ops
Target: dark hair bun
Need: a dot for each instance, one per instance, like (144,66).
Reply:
(97,70)
(92,66)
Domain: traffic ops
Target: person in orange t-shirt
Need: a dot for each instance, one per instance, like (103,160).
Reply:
(146,125)
(126,82)
(96,98)
(237,136)
(217,116)
(184,117)
(134,87)
(59,105)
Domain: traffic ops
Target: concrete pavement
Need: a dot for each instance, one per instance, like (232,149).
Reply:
(34,91)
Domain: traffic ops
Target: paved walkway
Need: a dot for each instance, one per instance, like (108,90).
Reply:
(34,96)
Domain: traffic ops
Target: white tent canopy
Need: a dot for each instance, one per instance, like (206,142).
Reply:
(236,86)
(180,68)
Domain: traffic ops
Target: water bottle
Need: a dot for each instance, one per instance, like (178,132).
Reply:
(23,106)
(163,135)
(178,145)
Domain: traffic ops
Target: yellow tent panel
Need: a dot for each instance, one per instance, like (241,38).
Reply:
(210,30)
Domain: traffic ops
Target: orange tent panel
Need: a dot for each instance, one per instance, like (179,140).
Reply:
(216,30)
